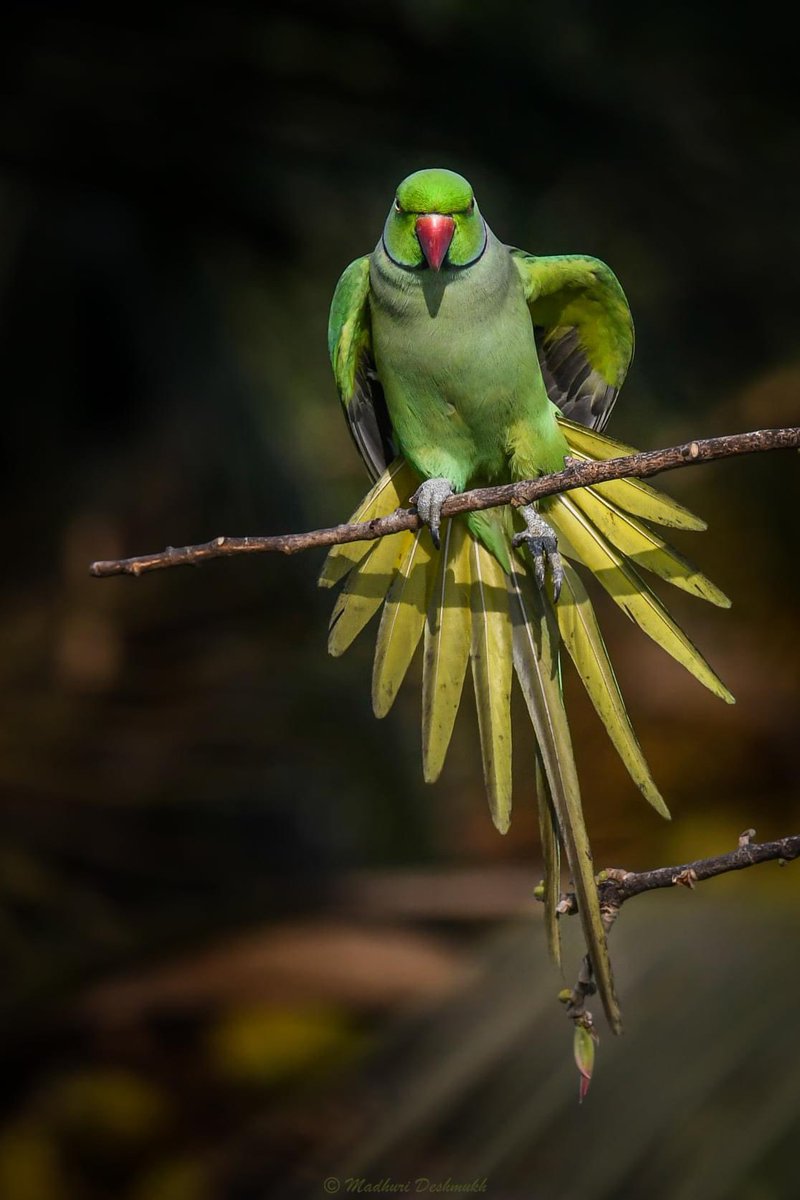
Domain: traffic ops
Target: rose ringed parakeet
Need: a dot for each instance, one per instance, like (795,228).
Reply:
(463,362)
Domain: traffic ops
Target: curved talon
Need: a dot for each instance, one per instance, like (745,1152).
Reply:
(542,545)
(429,498)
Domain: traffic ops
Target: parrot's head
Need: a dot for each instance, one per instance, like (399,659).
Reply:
(434,221)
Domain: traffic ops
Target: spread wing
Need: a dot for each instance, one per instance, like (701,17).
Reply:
(583,330)
(350,349)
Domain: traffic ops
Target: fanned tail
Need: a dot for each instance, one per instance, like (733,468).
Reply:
(474,601)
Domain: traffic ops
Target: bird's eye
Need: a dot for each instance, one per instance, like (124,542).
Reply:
(398,206)
(471,207)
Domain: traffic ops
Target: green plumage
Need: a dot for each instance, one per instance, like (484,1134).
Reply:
(459,358)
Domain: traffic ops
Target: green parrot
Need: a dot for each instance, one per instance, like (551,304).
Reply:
(463,362)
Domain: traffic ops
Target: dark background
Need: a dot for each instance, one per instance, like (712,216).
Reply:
(243,947)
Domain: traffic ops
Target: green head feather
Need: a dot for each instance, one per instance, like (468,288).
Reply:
(434,190)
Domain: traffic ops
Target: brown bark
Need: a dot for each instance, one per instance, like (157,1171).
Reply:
(575,474)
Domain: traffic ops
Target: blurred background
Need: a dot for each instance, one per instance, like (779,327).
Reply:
(244,949)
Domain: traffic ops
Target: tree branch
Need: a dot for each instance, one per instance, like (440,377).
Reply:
(615,887)
(575,474)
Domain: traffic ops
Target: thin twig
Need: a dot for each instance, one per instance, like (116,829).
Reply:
(575,474)
(616,886)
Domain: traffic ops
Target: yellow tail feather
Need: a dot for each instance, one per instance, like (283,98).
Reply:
(633,495)
(447,647)
(402,622)
(645,548)
(364,591)
(491,675)
(535,649)
(584,642)
(391,491)
(627,588)
(551,857)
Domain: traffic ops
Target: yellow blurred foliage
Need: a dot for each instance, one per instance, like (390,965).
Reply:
(29,1164)
(267,1045)
(107,1104)
(173,1179)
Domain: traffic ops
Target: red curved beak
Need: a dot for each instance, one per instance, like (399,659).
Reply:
(435,233)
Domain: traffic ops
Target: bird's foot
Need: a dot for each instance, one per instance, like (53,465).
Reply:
(429,498)
(542,545)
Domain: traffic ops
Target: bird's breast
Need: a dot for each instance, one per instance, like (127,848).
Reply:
(462,335)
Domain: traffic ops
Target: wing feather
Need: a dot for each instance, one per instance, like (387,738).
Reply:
(350,349)
(583,330)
